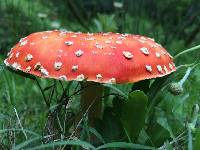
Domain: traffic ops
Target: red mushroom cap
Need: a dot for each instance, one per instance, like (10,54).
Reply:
(99,57)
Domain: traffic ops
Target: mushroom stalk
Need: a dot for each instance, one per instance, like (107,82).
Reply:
(185,76)
(91,99)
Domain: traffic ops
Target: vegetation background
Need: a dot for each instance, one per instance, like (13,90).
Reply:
(169,121)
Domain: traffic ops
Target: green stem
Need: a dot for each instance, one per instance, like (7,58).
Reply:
(187,51)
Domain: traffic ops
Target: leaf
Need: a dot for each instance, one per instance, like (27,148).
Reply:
(143,137)
(124,145)
(133,113)
(110,126)
(164,123)
(116,89)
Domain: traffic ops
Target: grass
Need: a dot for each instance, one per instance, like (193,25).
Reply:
(168,121)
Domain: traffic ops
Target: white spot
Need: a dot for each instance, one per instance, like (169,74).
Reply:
(16,66)
(142,41)
(98,46)
(57,65)
(37,66)
(164,53)
(148,68)
(80,77)
(32,43)
(170,66)
(170,56)
(157,55)
(60,51)
(126,34)
(90,34)
(110,38)
(99,76)
(144,50)
(63,78)
(44,72)
(23,43)
(151,39)
(9,52)
(69,43)
(113,47)
(159,45)
(165,68)
(119,42)
(17,54)
(79,53)
(90,39)
(50,31)
(121,38)
(74,68)
(143,38)
(62,33)
(11,55)
(112,81)
(105,34)
(28,69)
(107,41)
(6,63)
(127,54)
(159,68)
(73,36)
(22,39)
(28,58)
(153,46)
(44,37)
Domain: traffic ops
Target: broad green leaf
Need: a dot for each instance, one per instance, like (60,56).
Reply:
(110,126)
(133,113)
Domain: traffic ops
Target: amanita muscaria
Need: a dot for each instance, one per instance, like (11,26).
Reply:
(98,57)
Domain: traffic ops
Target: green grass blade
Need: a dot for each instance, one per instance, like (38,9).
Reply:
(125,145)
(60,143)
(27,142)
(25,130)
(97,134)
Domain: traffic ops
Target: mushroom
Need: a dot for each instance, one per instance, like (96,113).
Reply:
(98,58)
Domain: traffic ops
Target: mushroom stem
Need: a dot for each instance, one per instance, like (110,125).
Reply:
(91,99)
(185,76)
